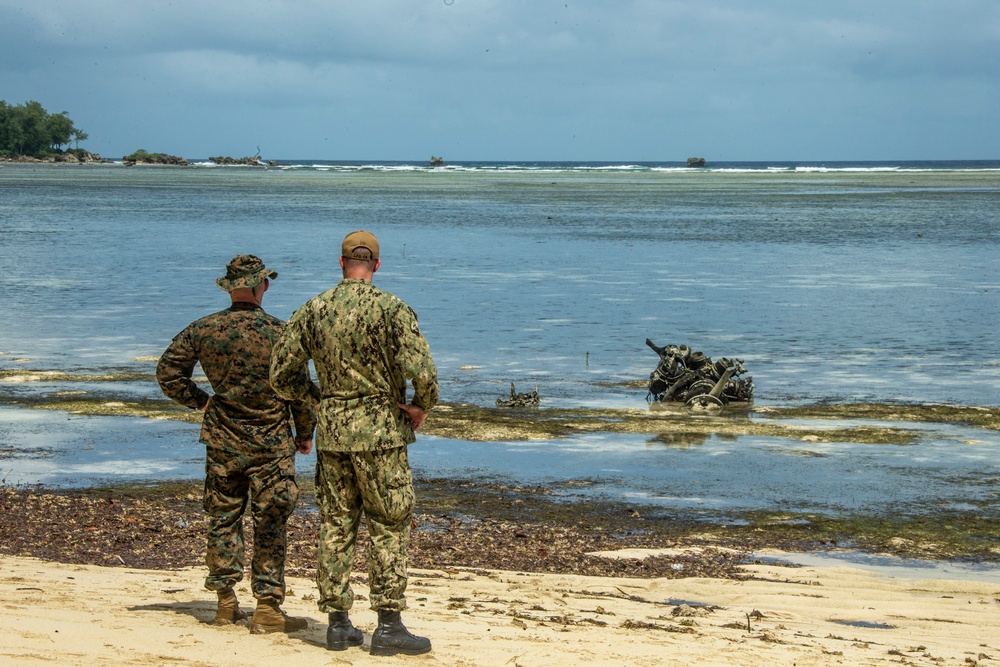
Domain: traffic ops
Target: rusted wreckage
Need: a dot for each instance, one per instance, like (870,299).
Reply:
(523,400)
(693,379)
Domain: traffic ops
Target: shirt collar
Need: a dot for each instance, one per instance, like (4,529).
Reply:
(244,305)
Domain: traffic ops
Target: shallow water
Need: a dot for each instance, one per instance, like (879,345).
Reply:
(58,449)
(951,468)
(889,566)
(831,286)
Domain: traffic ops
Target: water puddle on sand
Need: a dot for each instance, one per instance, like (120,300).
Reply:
(889,566)
(870,625)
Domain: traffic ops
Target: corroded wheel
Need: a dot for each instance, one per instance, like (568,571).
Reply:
(699,387)
(706,401)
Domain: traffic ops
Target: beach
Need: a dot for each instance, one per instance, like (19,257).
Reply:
(862,299)
(82,615)
(114,577)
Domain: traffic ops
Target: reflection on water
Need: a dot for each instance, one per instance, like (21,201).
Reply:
(681,440)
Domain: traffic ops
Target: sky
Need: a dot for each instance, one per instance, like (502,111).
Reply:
(514,80)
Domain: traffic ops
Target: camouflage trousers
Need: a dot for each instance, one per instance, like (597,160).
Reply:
(268,484)
(378,483)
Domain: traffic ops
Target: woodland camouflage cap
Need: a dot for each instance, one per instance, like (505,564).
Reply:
(357,243)
(244,271)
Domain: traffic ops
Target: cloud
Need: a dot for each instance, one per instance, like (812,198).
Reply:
(552,77)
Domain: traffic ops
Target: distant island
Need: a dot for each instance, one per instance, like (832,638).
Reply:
(142,156)
(74,156)
(29,133)
(237,162)
(254,161)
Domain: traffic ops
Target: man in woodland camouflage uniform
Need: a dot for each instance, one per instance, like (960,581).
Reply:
(250,449)
(365,345)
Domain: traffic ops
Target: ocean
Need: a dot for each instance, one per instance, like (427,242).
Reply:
(831,282)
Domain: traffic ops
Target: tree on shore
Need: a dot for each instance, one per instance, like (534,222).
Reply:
(29,130)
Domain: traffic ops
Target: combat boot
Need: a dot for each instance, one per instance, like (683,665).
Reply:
(391,637)
(228,611)
(270,618)
(341,634)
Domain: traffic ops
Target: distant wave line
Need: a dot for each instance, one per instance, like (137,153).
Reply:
(563,167)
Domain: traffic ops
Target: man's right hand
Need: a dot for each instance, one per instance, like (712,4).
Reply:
(414,414)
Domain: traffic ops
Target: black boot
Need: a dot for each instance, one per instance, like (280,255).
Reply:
(341,634)
(391,637)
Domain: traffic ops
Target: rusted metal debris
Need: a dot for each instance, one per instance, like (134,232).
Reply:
(693,379)
(526,399)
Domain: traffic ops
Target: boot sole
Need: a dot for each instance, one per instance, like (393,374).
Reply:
(225,621)
(343,646)
(264,630)
(389,651)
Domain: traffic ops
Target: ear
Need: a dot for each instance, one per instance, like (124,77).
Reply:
(343,263)
(378,263)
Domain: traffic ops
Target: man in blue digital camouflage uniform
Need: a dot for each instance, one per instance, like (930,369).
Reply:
(365,345)
(250,447)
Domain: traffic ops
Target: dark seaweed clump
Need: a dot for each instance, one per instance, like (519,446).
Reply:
(478,526)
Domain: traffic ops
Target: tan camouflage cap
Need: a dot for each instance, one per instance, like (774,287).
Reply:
(244,271)
(357,243)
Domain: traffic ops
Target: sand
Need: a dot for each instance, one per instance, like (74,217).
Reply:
(88,616)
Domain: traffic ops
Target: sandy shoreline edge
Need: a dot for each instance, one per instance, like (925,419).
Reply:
(91,615)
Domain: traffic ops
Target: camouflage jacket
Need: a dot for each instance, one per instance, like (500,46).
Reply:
(365,344)
(244,414)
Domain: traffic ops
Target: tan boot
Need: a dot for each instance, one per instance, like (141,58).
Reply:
(270,618)
(228,611)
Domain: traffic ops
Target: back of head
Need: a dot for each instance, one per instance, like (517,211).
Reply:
(360,245)
(359,254)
